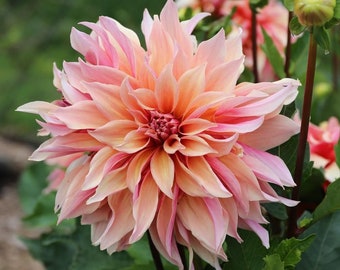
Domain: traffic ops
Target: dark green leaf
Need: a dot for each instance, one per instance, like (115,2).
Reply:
(322,38)
(273,262)
(277,210)
(289,110)
(311,186)
(331,202)
(247,255)
(324,252)
(273,55)
(287,152)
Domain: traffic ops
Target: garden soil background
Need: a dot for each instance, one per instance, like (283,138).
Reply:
(13,253)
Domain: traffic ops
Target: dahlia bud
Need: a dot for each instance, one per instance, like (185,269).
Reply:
(314,12)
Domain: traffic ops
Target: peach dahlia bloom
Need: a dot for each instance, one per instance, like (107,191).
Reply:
(162,138)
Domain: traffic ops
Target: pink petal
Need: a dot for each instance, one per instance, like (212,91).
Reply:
(187,182)
(173,144)
(224,77)
(136,167)
(144,208)
(244,126)
(246,178)
(222,146)
(195,126)
(66,145)
(208,225)
(166,91)
(190,85)
(104,95)
(275,163)
(113,182)
(97,165)
(162,231)
(81,115)
(272,133)
(122,221)
(201,171)
(113,133)
(195,146)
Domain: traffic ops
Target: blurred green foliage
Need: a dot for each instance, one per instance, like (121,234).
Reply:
(34,35)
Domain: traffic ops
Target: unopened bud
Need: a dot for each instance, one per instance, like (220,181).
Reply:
(314,12)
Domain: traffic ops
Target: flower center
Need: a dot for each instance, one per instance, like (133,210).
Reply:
(161,126)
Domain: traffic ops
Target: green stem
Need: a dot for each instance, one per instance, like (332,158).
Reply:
(155,254)
(306,109)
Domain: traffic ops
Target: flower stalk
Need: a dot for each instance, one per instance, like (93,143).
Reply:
(254,44)
(155,254)
(288,46)
(306,111)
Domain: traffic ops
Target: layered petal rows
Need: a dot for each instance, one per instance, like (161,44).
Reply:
(163,138)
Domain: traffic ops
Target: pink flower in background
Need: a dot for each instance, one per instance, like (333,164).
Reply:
(322,140)
(162,138)
(273,18)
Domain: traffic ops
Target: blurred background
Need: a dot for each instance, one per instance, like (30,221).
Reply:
(33,35)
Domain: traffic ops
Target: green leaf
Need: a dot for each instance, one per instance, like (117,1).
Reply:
(277,210)
(254,4)
(247,255)
(43,214)
(337,10)
(305,219)
(273,55)
(290,250)
(289,4)
(289,110)
(74,251)
(324,252)
(322,37)
(140,252)
(311,187)
(295,27)
(337,154)
(287,152)
(273,262)
(31,183)
(331,202)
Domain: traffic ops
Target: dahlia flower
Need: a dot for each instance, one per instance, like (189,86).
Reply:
(273,18)
(163,138)
(322,140)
